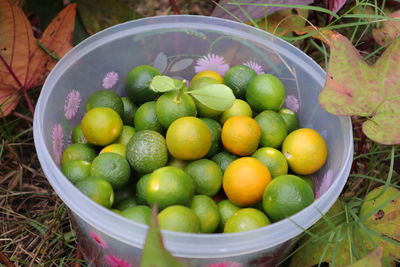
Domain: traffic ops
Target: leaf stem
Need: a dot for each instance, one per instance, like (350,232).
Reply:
(52,54)
(28,101)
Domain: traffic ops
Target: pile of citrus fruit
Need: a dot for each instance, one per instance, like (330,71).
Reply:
(219,154)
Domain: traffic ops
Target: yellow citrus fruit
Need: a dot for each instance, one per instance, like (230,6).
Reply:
(245,220)
(273,159)
(241,135)
(239,108)
(305,150)
(115,148)
(188,138)
(101,126)
(209,74)
(244,181)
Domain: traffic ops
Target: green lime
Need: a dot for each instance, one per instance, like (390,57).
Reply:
(106,99)
(169,186)
(290,119)
(226,209)
(78,151)
(147,151)
(76,170)
(137,84)
(207,211)
(202,109)
(181,164)
(223,159)
(140,214)
(113,167)
(146,118)
(129,111)
(115,148)
(77,135)
(273,159)
(238,78)
(207,176)
(141,189)
(285,196)
(265,91)
(215,129)
(126,203)
(116,211)
(308,180)
(101,126)
(97,189)
(126,135)
(273,128)
(174,105)
(245,220)
(239,108)
(179,219)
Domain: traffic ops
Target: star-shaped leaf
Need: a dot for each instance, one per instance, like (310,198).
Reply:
(354,87)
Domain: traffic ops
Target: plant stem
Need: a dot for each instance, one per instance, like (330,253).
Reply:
(28,101)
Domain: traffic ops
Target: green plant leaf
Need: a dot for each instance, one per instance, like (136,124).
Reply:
(154,254)
(215,96)
(374,259)
(354,87)
(162,83)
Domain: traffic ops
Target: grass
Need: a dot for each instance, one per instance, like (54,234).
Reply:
(35,229)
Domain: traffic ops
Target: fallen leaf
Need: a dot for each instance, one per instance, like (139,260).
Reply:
(335,6)
(285,21)
(389,30)
(23,64)
(154,254)
(98,15)
(354,87)
(374,259)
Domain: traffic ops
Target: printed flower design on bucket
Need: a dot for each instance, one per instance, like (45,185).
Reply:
(322,184)
(110,79)
(257,68)
(72,104)
(291,102)
(113,261)
(225,264)
(211,62)
(98,240)
(57,136)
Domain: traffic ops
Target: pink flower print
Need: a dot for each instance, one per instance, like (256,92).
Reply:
(225,264)
(72,103)
(110,80)
(211,62)
(113,261)
(58,142)
(291,102)
(98,240)
(257,68)
(322,184)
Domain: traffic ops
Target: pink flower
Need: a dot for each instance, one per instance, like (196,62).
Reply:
(211,62)
(72,103)
(110,79)
(58,142)
(257,68)
(98,240)
(225,264)
(113,261)
(322,184)
(291,102)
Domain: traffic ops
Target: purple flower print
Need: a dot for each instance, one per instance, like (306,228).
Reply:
(98,240)
(72,103)
(58,142)
(257,68)
(113,261)
(211,62)
(322,184)
(225,264)
(110,80)
(291,102)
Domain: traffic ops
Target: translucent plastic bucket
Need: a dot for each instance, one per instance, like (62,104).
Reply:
(174,44)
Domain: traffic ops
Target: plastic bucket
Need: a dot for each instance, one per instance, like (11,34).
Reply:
(178,46)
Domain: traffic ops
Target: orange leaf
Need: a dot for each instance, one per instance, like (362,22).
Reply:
(16,44)
(57,38)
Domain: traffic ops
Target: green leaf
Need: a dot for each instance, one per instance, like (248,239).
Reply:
(154,254)
(374,259)
(98,15)
(162,83)
(354,87)
(215,96)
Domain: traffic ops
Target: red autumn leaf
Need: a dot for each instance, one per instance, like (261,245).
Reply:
(23,64)
(335,6)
